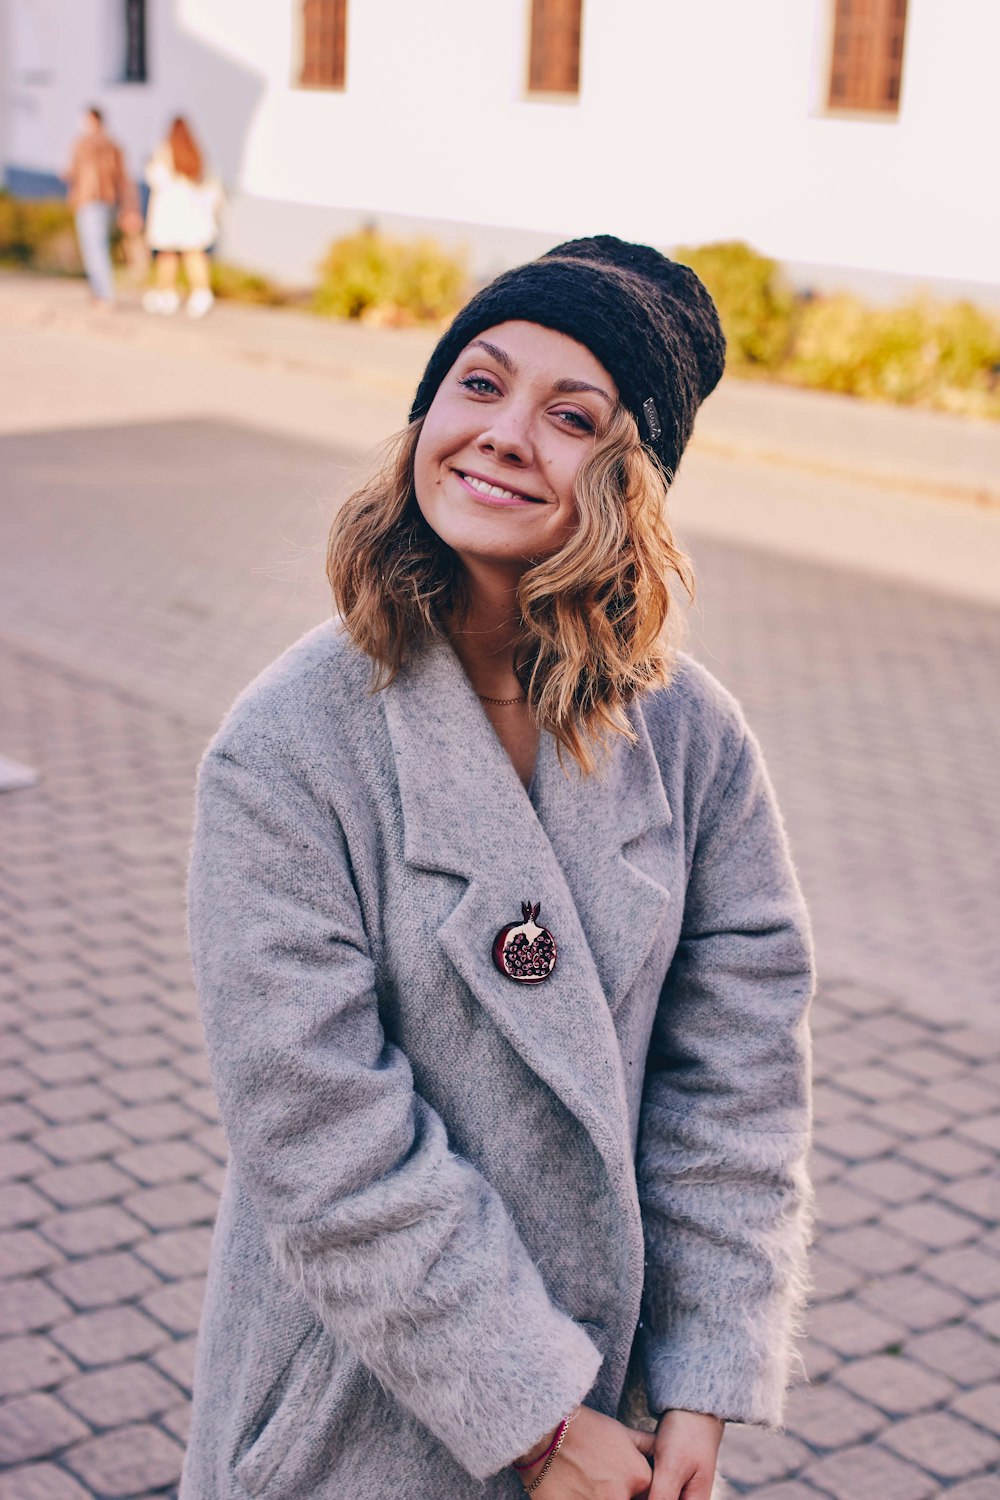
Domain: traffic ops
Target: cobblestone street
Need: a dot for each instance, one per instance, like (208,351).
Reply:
(147,570)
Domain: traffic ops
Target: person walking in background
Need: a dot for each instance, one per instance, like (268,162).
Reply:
(182,221)
(98,183)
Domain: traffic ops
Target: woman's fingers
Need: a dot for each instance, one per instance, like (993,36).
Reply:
(644,1441)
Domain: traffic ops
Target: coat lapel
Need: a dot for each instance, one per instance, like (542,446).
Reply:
(466,812)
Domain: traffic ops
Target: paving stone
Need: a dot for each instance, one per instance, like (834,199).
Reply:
(872,1250)
(853,1329)
(944,1445)
(164,1162)
(750,1456)
(31,1364)
(83,1231)
(932,1224)
(173,1206)
(108,1335)
(976,1195)
(81,1141)
(837,1206)
(824,1416)
(890,1180)
(948,1154)
(122,1393)
(986,1487)
(128,1461)
(177,1360)
(928,1064)
(178,1306)
(895,1384)
(819,1361)
(35,1426)
(137,1049)
(855,1140)
(913,1300)
(17,1120)
(832,1278)
(61,1105)
(967,1356)
(20,1205)
(968,1269)
(27,1305)
(875,1083)
(984,1131)
(62,1033)
(21,1159)
(155,1122)
(104,1279)
(869,1473)
(178,1422)
(22,1251)
(981,1406)
(15,1083)
(83,1183)
(40,1481)
(912,1117)
(78,1066)
(963,1095)
(987,1318)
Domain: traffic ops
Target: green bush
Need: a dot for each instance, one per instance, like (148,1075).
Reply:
(756,307)
(372,276)
(234,284)
(926,352)
(37,232)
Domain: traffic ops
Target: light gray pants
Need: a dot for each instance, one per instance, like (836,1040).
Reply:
(93,228)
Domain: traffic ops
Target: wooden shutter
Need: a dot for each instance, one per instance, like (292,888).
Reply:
(324,44)
(867,65)
(554,59)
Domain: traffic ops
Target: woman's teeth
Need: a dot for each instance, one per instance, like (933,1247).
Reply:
(494,489)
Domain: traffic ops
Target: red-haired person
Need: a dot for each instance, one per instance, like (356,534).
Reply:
(181,221)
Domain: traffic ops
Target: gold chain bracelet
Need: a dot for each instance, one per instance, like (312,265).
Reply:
(546,1466)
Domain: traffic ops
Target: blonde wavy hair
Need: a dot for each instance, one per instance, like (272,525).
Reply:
(599,625)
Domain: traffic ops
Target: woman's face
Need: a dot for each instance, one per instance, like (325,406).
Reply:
(511,423)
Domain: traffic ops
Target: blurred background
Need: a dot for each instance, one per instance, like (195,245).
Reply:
(174,440)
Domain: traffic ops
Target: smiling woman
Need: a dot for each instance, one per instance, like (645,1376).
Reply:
(512,1204)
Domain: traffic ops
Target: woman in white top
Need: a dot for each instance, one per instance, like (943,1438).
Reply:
(182,220)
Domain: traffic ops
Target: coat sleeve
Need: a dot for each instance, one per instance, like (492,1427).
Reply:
(404,1250)
(725,1123)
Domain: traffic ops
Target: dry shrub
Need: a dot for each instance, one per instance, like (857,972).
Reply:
(397,282)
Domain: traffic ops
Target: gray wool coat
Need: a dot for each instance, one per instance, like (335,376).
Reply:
(458,1205)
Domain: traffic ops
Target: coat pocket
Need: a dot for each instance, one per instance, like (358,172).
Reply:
(285,1418)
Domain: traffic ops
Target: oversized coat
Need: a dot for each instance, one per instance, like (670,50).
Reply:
(458,1205)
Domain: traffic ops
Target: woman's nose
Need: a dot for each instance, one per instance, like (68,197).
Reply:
(508,438)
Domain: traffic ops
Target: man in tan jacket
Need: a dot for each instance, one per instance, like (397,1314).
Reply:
(98,184)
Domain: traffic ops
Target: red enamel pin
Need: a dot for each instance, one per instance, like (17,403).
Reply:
(524,951)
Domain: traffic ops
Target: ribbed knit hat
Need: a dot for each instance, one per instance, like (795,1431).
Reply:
(648,319)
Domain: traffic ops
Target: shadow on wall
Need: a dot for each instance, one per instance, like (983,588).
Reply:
(187,75)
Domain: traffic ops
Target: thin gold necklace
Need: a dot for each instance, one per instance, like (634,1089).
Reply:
(501,702)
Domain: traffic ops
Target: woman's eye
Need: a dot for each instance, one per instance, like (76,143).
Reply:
(481,385)
(575,419)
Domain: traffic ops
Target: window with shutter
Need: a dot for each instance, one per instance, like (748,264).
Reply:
(324,44)
(554,52)
(866,68)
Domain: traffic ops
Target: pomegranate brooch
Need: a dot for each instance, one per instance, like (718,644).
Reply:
(523,950)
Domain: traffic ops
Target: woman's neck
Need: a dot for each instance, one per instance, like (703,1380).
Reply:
(485,635)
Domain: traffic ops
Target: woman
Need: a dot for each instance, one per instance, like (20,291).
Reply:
(181,222)
(504,966)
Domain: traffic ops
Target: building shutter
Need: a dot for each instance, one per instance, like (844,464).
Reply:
(324,44)
(135,41)
(554,59)
(867,66)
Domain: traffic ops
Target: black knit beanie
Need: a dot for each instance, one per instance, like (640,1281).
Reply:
(649,321)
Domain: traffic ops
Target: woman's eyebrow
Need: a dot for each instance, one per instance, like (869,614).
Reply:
(568,387)
(501,356)
(565,387)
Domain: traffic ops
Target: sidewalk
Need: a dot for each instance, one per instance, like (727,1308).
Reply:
(930,453)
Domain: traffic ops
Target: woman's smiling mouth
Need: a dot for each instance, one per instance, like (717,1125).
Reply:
(495,494)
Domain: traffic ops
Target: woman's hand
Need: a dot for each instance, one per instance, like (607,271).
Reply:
(598,1458)
(685,1451)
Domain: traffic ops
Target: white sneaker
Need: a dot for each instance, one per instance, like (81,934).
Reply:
(160,302)
(200,302)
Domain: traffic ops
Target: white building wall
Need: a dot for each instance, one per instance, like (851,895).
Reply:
(695,121)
